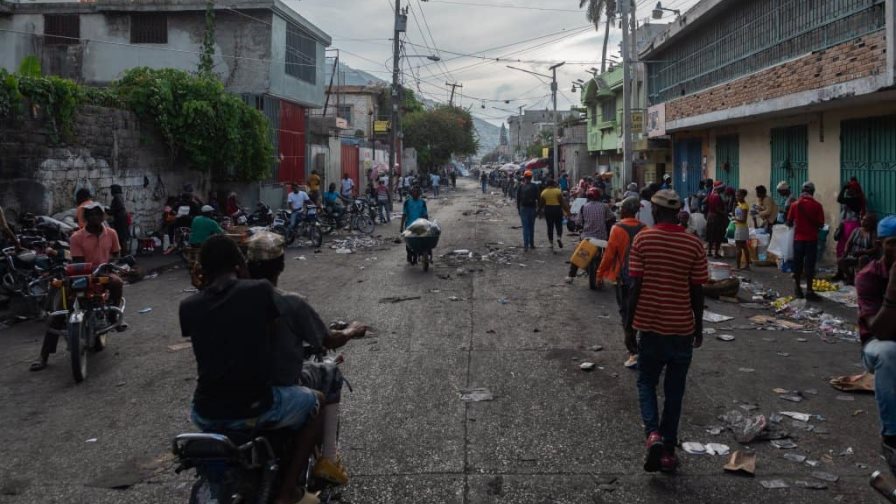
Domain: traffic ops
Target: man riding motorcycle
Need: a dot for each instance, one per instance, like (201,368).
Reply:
(230,325)
(298,326)
(96,244)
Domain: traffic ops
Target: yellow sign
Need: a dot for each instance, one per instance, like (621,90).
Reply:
(637,122)
(380,126)
(545,151)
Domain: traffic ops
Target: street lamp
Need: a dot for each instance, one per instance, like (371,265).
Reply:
(658,11)
(430,57)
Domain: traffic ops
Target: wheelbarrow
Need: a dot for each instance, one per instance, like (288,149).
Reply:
(420,249)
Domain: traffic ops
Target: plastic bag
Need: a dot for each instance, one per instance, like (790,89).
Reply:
(423,227)
(781,243)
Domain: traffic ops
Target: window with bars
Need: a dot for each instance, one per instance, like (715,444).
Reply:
(345,112)
(62,29)
(149,28)
(608,110)
(301,54)
(750,36)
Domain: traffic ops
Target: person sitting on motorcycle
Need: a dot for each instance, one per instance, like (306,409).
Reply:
(204,226)
(230,325)
(300,325)
(333,202)
(95,244)
(186,208)
(296,202)
(593,218)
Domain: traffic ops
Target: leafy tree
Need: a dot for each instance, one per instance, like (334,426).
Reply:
(206,58)
(439,134)
(594,10)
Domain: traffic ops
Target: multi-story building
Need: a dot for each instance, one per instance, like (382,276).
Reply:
(264,51)
(525,129)
(754,92)
(574,156)
(603,101)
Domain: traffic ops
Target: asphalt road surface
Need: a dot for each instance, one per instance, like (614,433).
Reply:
(551,434)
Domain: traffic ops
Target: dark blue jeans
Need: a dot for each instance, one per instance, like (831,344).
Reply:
(527,217)
(484,186)
(655,352)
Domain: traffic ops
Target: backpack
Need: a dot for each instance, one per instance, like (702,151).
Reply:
(624,277)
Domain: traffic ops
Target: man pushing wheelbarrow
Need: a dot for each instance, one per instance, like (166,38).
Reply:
(420,235)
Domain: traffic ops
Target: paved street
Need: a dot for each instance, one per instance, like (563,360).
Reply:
(552,433)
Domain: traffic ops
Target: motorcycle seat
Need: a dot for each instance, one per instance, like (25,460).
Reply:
(205,446)
(27,257)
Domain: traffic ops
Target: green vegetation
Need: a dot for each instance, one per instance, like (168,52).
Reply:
(438,134)
(213,130)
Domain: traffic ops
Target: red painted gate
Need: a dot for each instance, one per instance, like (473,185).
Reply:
(350,162)
(292,143)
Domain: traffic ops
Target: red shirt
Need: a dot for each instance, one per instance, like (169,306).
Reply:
(95,249)
(871,286)
(807,216)
(669,261)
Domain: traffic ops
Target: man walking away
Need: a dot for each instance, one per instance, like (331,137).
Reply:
(526,203)
(668,269)
(553,204)
(483,181)
(436,180)
(806,217)
(876,290)
(593,218)
(615,266)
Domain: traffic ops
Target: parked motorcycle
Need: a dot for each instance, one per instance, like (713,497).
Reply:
(360,215)
(85,305)
(27,273)
(308,227)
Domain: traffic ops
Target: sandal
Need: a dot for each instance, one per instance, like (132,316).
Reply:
(38,365)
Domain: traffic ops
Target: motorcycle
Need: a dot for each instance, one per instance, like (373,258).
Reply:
(85,305)
(242,466)
(308,227)
(26,272)
(360,215)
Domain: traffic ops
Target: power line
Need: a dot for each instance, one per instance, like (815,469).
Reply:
(502,6)
(431,38)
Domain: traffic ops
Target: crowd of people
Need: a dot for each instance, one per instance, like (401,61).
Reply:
(657,253)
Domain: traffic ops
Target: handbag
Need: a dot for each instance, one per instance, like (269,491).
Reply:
(838,233)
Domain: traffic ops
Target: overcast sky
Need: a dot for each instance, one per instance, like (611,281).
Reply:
(530,34)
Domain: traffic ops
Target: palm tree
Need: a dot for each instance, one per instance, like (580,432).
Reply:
(594,10)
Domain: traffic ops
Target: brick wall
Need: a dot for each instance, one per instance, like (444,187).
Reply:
(859,58)
(109,147)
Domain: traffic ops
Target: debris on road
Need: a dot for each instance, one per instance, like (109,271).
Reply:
(343,251)
(397,299)
(795,457)
(825,476)
(725,337)
(596,348)
(802,417)
(713,317)
(741,462)
(586,366)
(783,444)
(693,448)
(179,346)
(856,383)
(773,484)
(811,485)
(145,310)
(353,243)
(91,440)
(476,395)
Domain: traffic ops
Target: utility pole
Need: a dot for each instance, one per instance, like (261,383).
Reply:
(453,87)
(519,131)
(556,120)
(625,175)
(401,23)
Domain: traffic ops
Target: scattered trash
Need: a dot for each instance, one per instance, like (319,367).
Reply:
(596,348)
(151,275)
(783,354)
(856,383)
(811,485)
(343,251)
(825,476)
(503,300)
(846,398)
(813,463)
(746,370)
(802,340)
(847,452)
(145,310)
(717,449)
(179,346)
(746,429)
(354,242)
(773,484)
(802,417)
(791,397)
(301,258)
(91,440)
(857,412)
(783,444)
(740,461)
(693,448)
(191,289)
(454,298)
(713,317)
(795,457)
(715,430)
(708,331)
(476,395)
(397,299)
(725,337)
(586,366)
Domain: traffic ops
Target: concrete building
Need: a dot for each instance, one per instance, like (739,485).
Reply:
(603,101)
(759,91)
(524,130)
(574,156)
(264,51)
(357,106)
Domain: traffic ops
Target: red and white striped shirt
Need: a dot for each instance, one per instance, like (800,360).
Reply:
(668,261)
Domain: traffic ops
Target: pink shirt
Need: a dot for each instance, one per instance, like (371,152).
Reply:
(95,249)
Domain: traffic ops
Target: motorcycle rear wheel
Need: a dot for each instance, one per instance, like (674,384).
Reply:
(315,234)
(77,349)
(364,224)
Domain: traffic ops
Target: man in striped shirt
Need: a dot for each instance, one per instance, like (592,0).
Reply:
(668,269)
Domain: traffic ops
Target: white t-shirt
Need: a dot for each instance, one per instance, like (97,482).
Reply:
(347,186)
(435,179)
(645,215)
(385,179)
(296,200)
